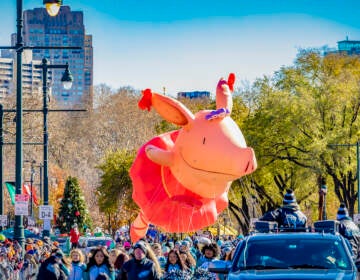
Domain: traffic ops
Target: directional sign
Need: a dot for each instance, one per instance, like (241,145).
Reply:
(47,224)
(46,212)
(3,220)
(31,221)
(21,207)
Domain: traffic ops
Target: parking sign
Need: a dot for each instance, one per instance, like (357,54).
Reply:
(45,212)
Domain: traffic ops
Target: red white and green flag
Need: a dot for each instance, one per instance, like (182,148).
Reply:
(26,189)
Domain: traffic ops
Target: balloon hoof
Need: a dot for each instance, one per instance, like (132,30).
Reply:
(137,233)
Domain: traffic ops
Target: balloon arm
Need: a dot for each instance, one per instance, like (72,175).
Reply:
(159,156)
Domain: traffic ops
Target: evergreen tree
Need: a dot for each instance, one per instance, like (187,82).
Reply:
(72,208)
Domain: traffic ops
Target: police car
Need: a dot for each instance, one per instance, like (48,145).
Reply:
(271,253)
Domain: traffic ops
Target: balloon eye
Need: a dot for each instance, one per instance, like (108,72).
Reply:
(204,141)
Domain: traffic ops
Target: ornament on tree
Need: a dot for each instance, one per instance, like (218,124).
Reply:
(77,213)
(70,205)
(64,224)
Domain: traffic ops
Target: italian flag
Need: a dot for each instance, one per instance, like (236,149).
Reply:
(26,189)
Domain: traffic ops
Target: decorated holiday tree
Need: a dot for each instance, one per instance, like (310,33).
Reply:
(72,208)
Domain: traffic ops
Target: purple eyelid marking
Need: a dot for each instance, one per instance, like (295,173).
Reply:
(219,113)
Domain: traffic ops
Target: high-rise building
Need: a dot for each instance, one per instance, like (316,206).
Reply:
(65,29)
(31,77)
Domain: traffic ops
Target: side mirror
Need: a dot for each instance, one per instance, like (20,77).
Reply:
(221,267)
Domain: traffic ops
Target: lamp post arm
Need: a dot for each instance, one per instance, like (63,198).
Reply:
(51,66)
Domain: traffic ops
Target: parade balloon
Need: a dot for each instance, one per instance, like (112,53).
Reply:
(181,178)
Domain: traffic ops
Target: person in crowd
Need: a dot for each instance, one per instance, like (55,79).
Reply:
(188,260)
(119,262)
(51,268)
(99,263)
(74,236)
(78,265)
(127,247)
(288,215)
(159,254)
(174,262)
(143,266)
(209,253)
(348,229)
(31,265)
(5,268)
(175,267)
(113,254)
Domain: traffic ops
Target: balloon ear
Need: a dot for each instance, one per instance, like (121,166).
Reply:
(172,110)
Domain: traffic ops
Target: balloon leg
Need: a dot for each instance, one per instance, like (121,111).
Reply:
(139,228)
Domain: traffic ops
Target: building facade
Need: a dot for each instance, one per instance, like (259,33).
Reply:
(65,29)
(350,47)
(193,94)
(31,77)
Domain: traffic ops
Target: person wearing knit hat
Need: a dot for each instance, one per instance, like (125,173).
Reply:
(348,228)
(289,197)
(342,212)
(140,245)
(144,264)
(289,215)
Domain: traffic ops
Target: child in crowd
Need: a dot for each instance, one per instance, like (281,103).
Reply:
(77,265)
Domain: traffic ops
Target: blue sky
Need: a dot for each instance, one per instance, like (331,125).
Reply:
(187,45)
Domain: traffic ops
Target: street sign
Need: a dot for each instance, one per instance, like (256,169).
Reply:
(21,204)
(46,212)
(3,220)
(31,221)
(47,224)
(21,197)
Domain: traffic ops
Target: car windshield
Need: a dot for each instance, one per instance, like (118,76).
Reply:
(293,253)
(97,242)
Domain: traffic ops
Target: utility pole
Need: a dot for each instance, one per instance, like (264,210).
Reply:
(322,199)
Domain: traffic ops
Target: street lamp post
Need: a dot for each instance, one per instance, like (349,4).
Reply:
(67,83)
(1,163)
(31,186)
(19,46)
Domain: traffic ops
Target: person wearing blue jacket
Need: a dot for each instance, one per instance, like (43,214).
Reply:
(99,266)
(143,265)
(78,266)
(289,215)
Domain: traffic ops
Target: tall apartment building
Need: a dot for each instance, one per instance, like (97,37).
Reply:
(31,77)
(65,29)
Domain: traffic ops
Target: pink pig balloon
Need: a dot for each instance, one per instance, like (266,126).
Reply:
(181,178)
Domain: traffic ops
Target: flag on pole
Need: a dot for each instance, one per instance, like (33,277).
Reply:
(26,189)
(11,189)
